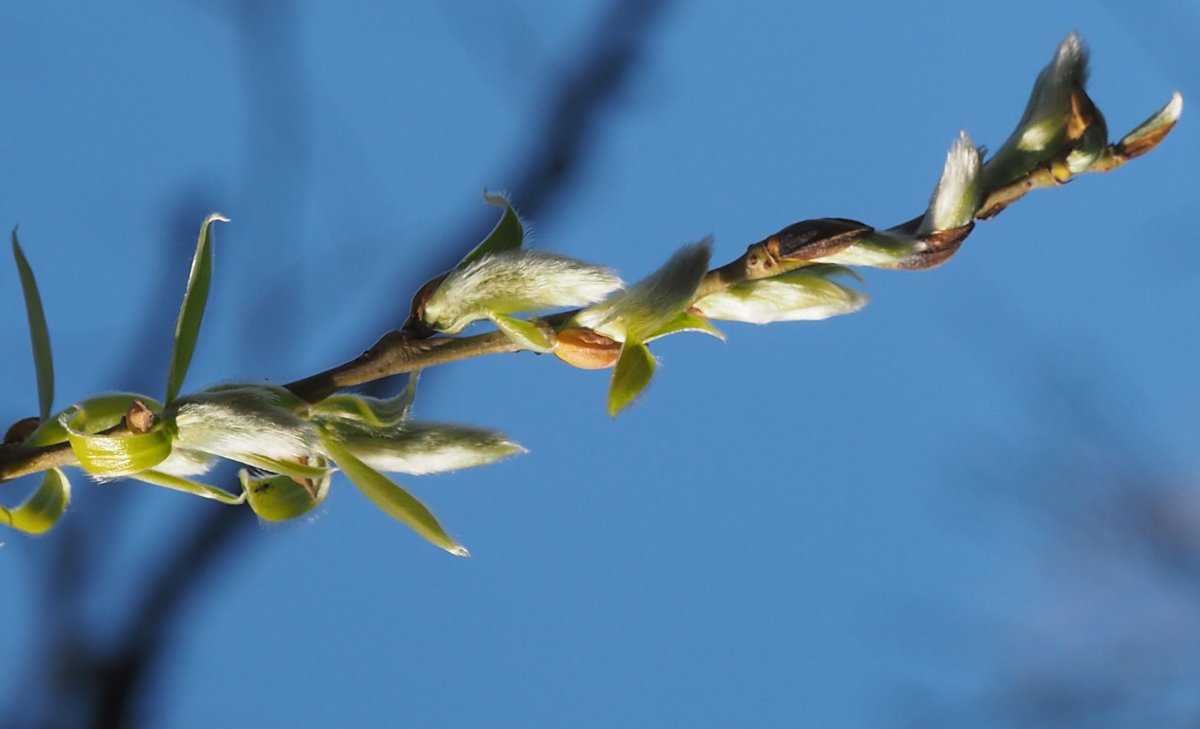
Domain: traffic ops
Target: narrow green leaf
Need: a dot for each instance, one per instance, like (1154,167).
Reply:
(524,333)
(508,234)
(372,411)
(285,468)
(187,328)
(633,372)
(687,322)
(280,498)
(188,486)
(391,499)
(43,507)
(39,335)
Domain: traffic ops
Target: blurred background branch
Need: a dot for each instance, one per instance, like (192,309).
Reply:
(99,675)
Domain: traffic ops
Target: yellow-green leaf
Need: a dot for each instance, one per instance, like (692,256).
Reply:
(391,499)
(526,334)
(686,321)
(506,236)
(286,468)
(110,455)
(279,498)
(187,327)
(188,486)
(631,375)
(39,335)
(43,507)
(372,411)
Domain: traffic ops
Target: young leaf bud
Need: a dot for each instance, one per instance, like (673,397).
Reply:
(956,197)
(644,308)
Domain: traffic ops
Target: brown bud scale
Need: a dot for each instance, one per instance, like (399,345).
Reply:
(139,418)
(586,349)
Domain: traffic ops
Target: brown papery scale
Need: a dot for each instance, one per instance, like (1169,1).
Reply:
(586,349)
(139,418)
(940,245)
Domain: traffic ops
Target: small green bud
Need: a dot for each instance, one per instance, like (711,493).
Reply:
(279,498)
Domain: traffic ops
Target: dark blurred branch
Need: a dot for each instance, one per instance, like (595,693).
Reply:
(576,105)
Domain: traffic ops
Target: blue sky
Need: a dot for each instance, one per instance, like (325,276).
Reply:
(814,524)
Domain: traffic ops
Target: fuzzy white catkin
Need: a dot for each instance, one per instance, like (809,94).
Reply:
(238,422)
(418,448)
(514,281)
(796,296)
(956,197)
(184,462)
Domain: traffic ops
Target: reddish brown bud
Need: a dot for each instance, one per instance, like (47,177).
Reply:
(20,430)
(415,327)
(586,349)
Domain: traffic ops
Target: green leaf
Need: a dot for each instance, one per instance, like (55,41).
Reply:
(188,486)
(43,507)
(687,322)
(508,234)
(633,372)
(39,335)
(187,328)
(285,468)
(526,334)
(372,411)
(116,454)
(280,498)
(391,499)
